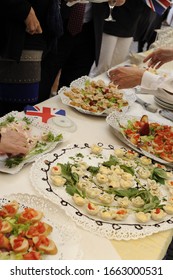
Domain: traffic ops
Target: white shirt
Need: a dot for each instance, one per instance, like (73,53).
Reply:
(162,86)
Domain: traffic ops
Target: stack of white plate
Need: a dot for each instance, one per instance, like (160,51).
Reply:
(163,104)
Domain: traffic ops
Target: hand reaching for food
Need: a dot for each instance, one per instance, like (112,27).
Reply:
(126,77)
(158,57)
(13,142)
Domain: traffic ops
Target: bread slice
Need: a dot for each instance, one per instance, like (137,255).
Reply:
(30,215)
(5,227)
(32,255)
(4,242)
(44,244)
(39,228)
(10,209)
(167,157)
(19,244)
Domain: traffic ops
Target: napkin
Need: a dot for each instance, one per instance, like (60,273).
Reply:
(45,113)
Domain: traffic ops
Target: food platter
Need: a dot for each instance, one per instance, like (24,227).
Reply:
(118,124)
(46,138)
(97,209)
(96,97)
(64,232)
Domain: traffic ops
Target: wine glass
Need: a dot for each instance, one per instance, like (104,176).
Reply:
(111,6)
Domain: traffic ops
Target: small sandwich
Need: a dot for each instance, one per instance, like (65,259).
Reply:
(19,244)
(9,210)
(4,242)
(30,215)
(44,244)
(39,228)
(5,226)
(33,255)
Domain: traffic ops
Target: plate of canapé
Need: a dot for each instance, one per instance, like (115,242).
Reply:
(96,97)
(109,190)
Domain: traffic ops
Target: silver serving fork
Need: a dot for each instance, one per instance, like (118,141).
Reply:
(147,106)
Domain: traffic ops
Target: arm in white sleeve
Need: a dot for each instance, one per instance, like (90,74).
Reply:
(152,81)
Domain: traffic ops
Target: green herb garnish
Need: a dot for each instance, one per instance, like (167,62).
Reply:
(159,175)
(112,161)
(13,161)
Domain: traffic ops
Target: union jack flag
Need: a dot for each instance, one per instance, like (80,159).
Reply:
(44,112)
(158,6)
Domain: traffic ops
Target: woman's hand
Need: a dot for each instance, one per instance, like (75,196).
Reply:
(32,23)
(158,57)
(126,77)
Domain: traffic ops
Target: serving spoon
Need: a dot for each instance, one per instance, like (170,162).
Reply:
(147,106)
(151,108)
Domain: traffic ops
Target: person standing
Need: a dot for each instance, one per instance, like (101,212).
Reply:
(118,36)
(77,50)
(28,34)
(148,22)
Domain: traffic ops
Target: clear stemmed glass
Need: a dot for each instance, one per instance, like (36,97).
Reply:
(111,6)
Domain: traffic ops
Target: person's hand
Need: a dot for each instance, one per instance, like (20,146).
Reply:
(32,23)
(158,57)
(13,142)
(119,2)
(126,77)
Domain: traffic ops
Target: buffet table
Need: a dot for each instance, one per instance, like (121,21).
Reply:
(93,129)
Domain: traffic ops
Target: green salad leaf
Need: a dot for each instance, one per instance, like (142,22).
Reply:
(8,120)
(93,169)
(159,175)
(71,190)
(71,177)
(13,161)
(131,192)
(127,169)
(112,161)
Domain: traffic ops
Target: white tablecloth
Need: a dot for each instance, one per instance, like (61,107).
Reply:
(90,129)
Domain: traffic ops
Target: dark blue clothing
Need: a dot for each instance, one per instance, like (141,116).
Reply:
(23,89)
(12,27)
(76,54)
(126,17)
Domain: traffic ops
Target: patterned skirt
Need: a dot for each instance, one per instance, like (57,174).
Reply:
(19,81)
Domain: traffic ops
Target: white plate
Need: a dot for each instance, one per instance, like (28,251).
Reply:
(37,128)
(115,121)
(128,94)
(111,229)
(163,104)
(64,232)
